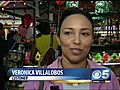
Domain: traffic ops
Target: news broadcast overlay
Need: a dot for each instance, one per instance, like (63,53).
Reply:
(67,74)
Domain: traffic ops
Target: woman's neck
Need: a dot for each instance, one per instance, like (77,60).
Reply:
(66,64)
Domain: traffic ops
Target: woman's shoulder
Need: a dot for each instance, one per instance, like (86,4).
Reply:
(55,63)
(93,64)
(31,85)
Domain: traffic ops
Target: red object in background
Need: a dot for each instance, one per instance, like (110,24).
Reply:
(106,57)
(27,62)
(60,2)
(27,57)
(89,5)
(27,20)
(23,28)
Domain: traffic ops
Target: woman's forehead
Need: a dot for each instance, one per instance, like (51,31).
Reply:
(76,19)
(76,16)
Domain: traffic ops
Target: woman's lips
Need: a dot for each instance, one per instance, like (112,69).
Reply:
(76,51)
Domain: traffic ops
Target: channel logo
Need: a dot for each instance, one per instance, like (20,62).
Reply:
(101,74)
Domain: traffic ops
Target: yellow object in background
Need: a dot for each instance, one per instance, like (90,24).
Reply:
(38,56)
(43,44)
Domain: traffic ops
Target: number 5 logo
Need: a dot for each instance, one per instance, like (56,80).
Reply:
(101,74)
(105,74)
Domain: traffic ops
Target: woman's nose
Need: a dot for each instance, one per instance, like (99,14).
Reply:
(77,39)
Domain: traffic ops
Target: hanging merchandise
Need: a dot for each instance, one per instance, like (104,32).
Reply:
(98,57)
(27,20)
(49,56)
(26,32)
(106,57)
(60,2)
(14,57)
(72,4)
(27,57)
(24,28)
(103,7)
(114,56)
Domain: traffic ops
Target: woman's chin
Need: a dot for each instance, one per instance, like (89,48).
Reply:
(75,59)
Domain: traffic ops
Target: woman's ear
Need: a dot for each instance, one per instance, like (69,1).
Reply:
(58,40)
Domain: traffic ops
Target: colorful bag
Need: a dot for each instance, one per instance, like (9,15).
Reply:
(49,56)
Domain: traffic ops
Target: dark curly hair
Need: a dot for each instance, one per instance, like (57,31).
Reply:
(71,11)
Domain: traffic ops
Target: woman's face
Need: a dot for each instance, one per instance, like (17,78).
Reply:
(75,38)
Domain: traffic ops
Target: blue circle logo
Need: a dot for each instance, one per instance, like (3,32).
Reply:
(96,74)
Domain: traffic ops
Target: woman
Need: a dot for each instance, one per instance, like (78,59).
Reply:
(75,38)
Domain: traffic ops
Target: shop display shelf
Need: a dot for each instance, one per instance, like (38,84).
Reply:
(109,64)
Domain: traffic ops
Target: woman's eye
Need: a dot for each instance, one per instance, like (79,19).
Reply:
(67,33)
(85,34)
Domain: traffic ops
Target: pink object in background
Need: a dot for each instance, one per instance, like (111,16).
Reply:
(28,55)
(22,31)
